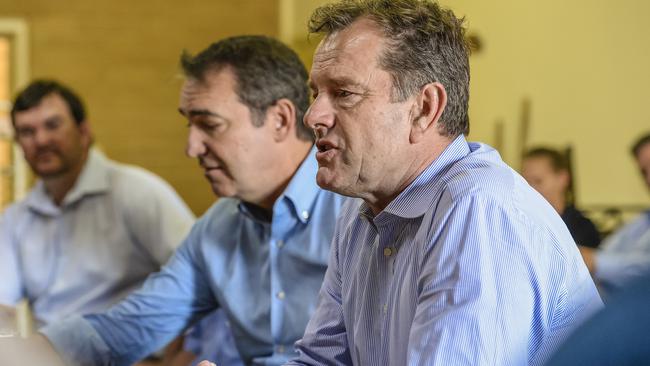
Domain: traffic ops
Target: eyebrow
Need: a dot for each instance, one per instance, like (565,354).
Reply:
(54,118)
(200,112)
(339,82)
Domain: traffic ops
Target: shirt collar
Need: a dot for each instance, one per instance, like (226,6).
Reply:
(93,179)
(302,189)
(300,194)
(417,197)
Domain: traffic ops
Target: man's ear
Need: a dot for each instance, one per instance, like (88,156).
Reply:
(428,107)
(86,133)
(281,118)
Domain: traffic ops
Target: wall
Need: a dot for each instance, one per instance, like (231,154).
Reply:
(584,66)
(122,57)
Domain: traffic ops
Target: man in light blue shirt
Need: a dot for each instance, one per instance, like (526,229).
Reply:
(452,258)
(625,255)
(260,252)
(91,230)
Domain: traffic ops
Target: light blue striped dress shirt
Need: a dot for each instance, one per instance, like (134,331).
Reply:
(264,275)
(467,266)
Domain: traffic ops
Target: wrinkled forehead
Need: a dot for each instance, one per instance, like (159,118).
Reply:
(362,38)
(349,54)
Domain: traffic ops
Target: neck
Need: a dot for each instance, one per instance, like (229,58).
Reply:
(381,198)
(57,187)
(293,160)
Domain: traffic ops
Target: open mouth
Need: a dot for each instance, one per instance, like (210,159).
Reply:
(324,146)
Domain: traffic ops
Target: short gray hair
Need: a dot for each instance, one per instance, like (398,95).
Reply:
(426,44)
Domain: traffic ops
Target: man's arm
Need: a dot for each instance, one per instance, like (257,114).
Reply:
(169,302)
(11,284)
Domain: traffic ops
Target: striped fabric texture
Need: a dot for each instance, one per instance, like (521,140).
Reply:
(467,266)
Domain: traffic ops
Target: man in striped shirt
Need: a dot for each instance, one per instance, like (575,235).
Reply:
(450,257)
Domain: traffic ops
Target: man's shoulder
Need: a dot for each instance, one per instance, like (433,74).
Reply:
(482,175)
(127,173)
(483,180)
(126,181)
(13,212)
(20,208)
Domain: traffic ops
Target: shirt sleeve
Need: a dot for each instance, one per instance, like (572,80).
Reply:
(11,286)
(157,216)
(169,302)
(484,278)
(325,340)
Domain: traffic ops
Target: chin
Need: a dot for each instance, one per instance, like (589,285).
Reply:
(331,184)
(48,173)
(220,191)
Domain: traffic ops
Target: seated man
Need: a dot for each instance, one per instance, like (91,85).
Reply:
(91,229)
(625,254)
(547,171)
(260,253)
(452,258)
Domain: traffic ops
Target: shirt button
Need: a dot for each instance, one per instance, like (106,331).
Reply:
(280,295)
(279,243)
(305,215)
(388,252)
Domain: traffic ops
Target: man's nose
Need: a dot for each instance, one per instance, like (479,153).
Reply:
(195,144)
(42,137)
(320,114)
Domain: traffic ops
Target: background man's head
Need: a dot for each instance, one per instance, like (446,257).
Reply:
(50,126)
(547,170)
(425,43)
(265,70)
(244,98)
(641,152)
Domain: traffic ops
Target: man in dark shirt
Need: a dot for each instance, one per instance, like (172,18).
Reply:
(547,171)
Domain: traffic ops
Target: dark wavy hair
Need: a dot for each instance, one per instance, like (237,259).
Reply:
(38,89)
(266,70)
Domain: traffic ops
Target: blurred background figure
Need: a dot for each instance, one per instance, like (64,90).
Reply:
(91,229)
(548,171)
(625,255)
